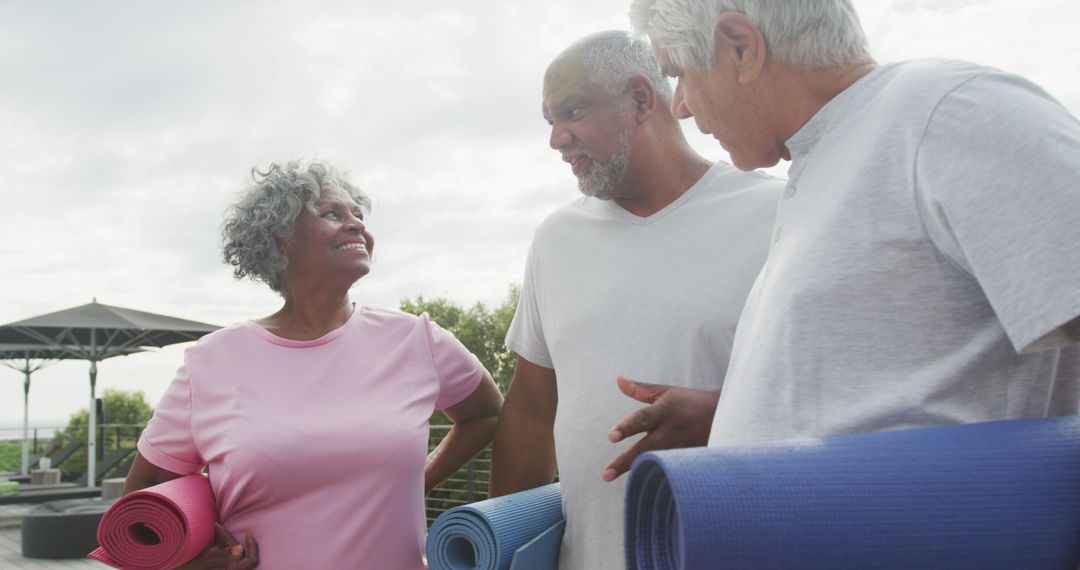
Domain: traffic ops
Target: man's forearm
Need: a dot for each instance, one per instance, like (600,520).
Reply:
(523,456)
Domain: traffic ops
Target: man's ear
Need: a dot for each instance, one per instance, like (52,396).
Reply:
(741,45)
(643,97)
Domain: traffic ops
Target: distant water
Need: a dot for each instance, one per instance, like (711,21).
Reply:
(45,430)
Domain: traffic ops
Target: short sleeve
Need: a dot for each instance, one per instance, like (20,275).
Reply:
(526,333)
(998,181)
(167,441)
(458,370)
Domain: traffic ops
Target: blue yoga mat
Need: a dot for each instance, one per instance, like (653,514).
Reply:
(989,495)
(519,531)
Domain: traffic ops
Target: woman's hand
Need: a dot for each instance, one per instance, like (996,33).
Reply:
(226,554)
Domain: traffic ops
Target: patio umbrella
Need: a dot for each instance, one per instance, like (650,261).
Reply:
(91,332)
(29,358)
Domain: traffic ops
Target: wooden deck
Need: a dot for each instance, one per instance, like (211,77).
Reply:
(11,557)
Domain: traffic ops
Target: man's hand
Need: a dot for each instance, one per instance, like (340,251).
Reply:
(675,417)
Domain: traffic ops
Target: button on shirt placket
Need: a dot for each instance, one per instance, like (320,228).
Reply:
(789,192)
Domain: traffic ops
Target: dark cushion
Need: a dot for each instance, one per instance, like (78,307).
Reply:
(62,529)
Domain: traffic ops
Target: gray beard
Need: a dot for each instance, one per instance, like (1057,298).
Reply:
(602,179)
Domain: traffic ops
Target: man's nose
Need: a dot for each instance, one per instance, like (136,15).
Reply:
(678,104)
(560,137)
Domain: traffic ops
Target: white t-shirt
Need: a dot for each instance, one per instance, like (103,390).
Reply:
(925,258)
(656,299)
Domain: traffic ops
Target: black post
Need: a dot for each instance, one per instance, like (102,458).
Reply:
(99,403)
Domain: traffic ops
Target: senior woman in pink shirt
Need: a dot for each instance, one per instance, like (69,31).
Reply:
(313,421)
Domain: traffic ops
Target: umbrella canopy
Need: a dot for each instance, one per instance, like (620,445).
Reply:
(29,358)
(94,331)
(96,327)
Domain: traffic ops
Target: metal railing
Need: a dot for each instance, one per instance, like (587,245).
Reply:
(110,437)
(469,484)
(40,436)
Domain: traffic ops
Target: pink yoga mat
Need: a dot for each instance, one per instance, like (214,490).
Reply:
(162,526)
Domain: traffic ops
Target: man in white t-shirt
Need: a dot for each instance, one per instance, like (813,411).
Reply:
(925,266)
(644,276)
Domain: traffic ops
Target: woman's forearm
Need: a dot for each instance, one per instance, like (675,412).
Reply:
(462,443)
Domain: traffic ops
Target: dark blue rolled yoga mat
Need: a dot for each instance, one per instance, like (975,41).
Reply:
(989,495)
(486,535)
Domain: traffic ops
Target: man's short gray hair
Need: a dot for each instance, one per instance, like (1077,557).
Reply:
(611,58)
(264,216)
(811,34)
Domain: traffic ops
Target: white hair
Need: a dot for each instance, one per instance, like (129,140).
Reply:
(611,58)
(811,34)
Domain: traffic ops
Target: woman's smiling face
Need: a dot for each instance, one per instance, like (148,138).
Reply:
(332,240)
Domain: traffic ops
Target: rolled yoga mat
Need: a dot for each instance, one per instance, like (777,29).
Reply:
(486,535)
(990,495)
(162,526)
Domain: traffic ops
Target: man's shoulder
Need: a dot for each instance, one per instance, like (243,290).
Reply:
(909,83)
(937,68)
(961,100)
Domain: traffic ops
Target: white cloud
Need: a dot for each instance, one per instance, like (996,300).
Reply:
(127,127)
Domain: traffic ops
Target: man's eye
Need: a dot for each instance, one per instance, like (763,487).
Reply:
(573,112)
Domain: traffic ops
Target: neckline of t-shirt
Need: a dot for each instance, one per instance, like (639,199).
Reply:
(675,204)
(805,139)
(291,343)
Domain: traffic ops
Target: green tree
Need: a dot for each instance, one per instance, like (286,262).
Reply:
(480,329)
(10,455)
(122,408)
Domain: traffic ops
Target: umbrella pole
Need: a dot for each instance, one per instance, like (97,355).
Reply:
(91,428)
(26,423)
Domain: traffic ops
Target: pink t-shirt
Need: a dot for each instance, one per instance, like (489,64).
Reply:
(315,448)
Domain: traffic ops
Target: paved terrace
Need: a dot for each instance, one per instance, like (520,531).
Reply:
(11,557)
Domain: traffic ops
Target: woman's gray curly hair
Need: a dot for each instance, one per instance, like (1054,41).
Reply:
(265,215)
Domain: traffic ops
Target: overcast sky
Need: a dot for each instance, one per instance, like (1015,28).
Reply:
(127,127)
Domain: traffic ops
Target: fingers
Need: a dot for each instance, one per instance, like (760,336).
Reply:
(223,538)
(640,391)
(229,553)
(625,460)
(252,560)
(641,421)
(678,417)
(213,558)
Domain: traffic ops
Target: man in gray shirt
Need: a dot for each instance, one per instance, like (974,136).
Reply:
(645,275)
(924,266)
